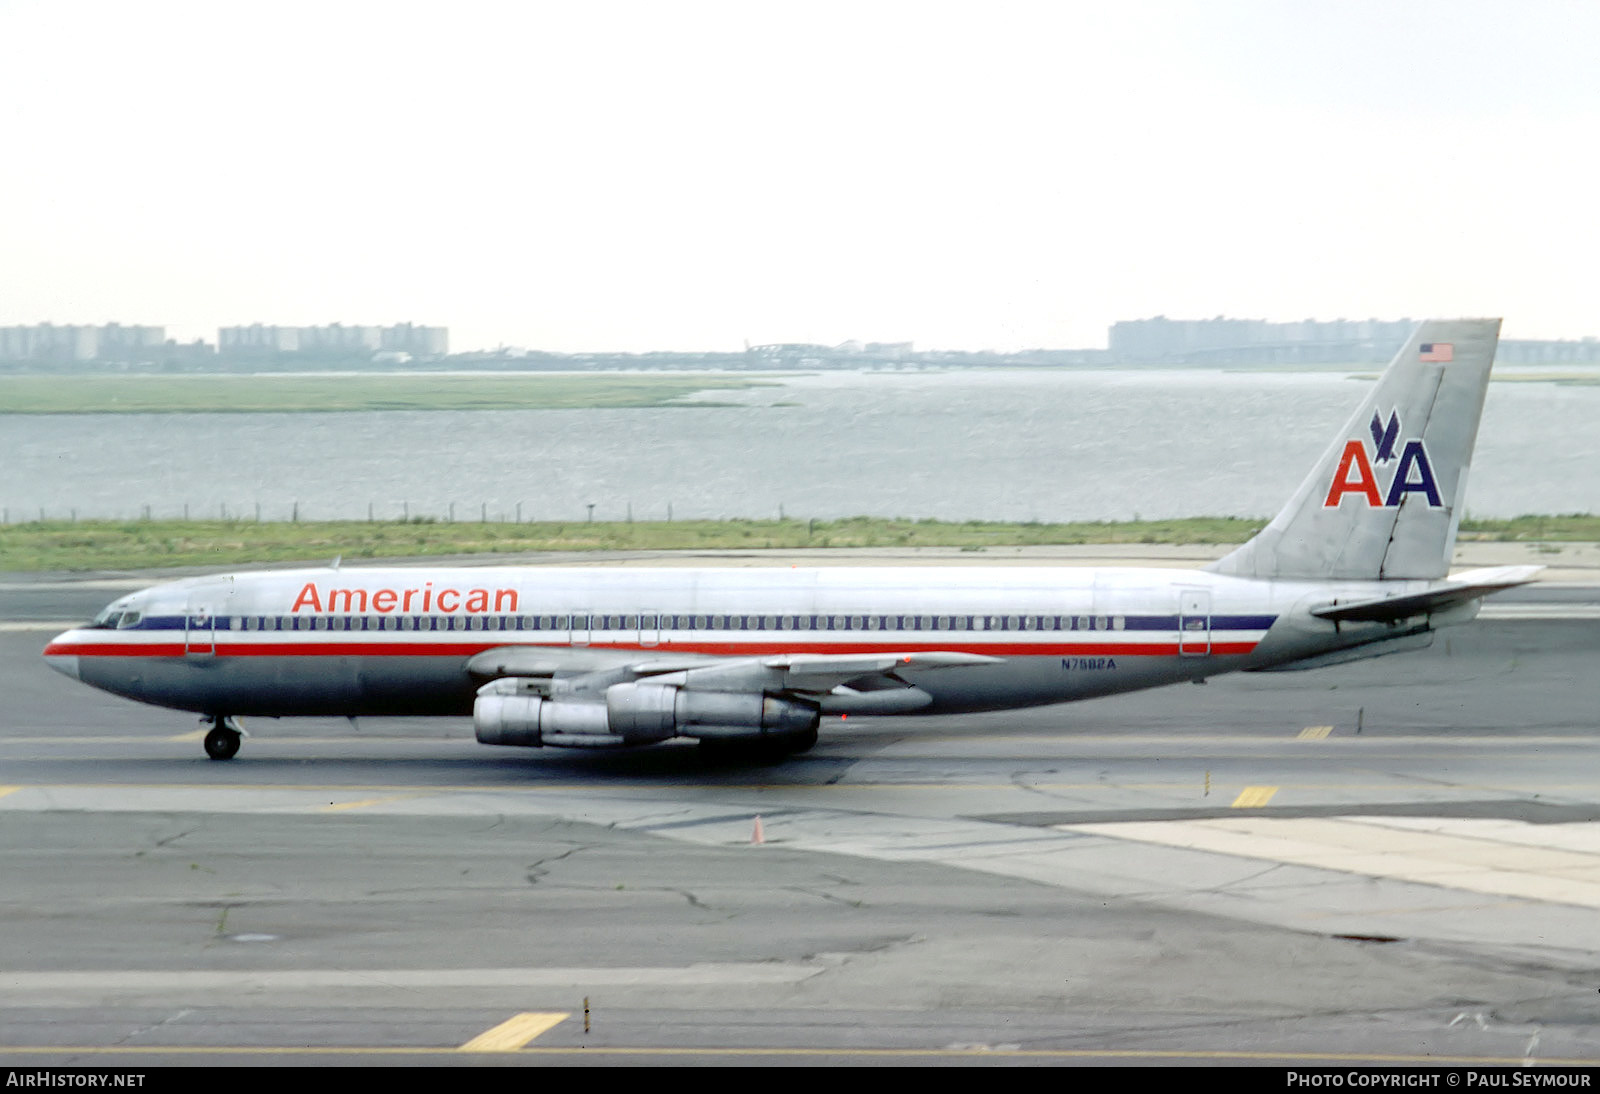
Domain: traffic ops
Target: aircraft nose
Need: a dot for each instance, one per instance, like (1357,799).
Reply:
(56,655)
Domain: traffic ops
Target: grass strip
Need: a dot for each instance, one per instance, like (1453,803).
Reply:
(214,394)
(139,544)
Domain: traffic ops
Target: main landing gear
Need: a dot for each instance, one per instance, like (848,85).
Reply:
(222,739)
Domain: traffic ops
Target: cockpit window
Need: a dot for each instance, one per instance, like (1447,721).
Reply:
(114,617)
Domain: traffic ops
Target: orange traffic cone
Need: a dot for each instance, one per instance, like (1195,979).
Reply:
(756,834)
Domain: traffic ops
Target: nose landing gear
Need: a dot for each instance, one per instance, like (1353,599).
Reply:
(222,739)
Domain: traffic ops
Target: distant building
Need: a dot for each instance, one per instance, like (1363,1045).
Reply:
(417,341)
(848,354)
(1309,341)
(1527,352)
(790,355)
(333,340)
(257,341)
(73,343)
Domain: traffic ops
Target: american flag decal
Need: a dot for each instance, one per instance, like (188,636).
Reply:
(1438,352)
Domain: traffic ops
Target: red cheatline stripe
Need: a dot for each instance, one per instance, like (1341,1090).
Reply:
(724,649)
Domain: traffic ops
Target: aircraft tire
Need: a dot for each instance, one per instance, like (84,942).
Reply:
(222,743)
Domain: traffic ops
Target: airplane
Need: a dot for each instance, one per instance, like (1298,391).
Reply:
(1354,566)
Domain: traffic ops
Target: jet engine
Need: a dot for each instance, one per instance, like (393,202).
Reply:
(512,711)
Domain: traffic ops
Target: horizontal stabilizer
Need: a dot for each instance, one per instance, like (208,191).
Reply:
(1463,587)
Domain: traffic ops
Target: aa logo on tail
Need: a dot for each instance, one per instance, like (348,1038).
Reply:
(1413,474)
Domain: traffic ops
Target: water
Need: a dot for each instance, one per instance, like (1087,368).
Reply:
(959,445)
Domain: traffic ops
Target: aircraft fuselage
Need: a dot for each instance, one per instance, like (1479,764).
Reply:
(398,641)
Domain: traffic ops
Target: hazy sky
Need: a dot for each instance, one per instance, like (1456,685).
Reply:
(636,176)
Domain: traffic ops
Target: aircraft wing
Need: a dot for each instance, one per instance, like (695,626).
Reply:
(1458,590)
(839,683)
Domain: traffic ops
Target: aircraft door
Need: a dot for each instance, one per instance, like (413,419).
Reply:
(200,618)
(649,629)
(1194,622)
(199,630)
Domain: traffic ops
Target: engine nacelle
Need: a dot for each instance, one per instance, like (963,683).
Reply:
(649,711)
(510,711)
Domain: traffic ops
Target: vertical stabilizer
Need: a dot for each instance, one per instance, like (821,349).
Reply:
(1386,497)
